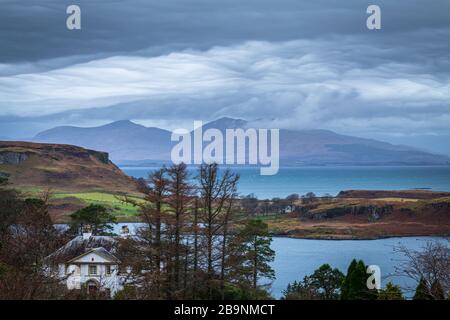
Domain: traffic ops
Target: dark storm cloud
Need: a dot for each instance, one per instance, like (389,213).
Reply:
(35,29)
(297,64)
(337,83)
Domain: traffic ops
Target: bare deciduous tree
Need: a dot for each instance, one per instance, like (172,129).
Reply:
(217,193)
(26,241)
(432,263)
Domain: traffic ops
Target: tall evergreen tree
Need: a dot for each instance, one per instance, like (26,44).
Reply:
(436,291)
(190,245)
(3,181)
(390,292)
(422,291)
(324,284)
(24,246)
(328,281)
(97,217)
(354,286)
(257,251)
(149,247)
(179,200)
(302,290)
(347,290)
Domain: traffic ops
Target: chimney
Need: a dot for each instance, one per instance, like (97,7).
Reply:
(125,232)
(87,231)
(87,235)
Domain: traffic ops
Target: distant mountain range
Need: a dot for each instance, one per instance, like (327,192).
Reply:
(123,140)
(127,141)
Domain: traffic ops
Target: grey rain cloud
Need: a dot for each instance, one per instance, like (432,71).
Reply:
(290,63)
(35,30)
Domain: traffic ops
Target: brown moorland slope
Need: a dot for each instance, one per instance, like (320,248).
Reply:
(404,194)
(368,215)
(61,167)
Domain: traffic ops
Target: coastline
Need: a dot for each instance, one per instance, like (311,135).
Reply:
(319,236)
(381,237)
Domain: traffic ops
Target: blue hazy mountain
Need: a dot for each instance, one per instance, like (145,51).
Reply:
(125,140)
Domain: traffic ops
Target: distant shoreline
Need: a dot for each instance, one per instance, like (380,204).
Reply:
(442,236)
(293,166)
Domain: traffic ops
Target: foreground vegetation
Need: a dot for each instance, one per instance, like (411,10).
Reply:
(430,268)
(188,247)
(195,243)
(296,216)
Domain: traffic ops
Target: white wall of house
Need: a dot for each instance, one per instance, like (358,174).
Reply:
(77,273)
(92,257)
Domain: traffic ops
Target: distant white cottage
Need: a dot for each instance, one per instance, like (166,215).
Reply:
(88,263)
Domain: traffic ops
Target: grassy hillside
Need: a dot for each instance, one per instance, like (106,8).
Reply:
(75,176)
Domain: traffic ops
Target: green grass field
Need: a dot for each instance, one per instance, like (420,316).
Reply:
(123,211)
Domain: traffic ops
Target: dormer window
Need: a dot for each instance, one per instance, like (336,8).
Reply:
(108,270)
(92,270)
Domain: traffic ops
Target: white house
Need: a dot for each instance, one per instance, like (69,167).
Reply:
(88,263)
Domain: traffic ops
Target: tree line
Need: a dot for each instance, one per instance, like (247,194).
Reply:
(194,244)
(293,203)
(430,268)
(191,246)
(27,236)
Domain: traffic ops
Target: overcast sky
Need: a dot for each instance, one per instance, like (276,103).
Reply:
(291,63)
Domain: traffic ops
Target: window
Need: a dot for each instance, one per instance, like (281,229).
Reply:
(92,270)
(108,270)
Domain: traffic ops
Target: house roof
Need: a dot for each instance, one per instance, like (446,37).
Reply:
(101,252)
(79,246)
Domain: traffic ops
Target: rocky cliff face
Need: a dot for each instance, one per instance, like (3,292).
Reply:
(14,153)
(13,158)
(4,175)
(407,194)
